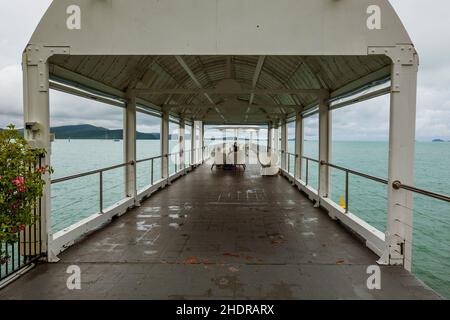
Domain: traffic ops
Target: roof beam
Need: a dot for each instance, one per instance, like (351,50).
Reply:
(258,69)
(193,77)
(316,75)
(197,83)
(256,76)
(231,92)
(361,82)
(229,67)
(204,106)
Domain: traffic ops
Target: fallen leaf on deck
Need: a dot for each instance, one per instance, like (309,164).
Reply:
(233,269)
(191,260)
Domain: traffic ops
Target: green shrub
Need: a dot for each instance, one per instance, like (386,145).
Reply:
(21,185)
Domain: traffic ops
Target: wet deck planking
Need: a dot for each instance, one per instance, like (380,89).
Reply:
(220,235)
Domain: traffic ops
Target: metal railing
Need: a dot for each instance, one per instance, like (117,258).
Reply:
(308,160)
(100,173)
(28,249)
(348,172)
(289,156)
(398,185)
(152,166)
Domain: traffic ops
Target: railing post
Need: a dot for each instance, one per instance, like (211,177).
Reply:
(176,162)
(152,176)
(307,171)
(347,200)
(101,191)
(289,163)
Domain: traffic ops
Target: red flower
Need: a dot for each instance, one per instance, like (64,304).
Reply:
(18,181)
(22,227)
(15,206)
(22,189)
(42,170)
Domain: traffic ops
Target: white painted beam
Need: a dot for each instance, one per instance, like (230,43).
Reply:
(181,138)
(129,146)
(258,70)
(399,233)
(37,110)
(324,146)
(165,145)
(181,91)
(284,145)
(299,145)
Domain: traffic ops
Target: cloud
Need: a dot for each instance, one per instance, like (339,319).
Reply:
(11,95)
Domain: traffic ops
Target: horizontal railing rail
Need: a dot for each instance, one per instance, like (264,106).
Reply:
(148,159)
(396,185)
(101,171)
(93,172)
(356,173)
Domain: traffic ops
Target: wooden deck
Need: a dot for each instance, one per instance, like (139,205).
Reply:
(220,235)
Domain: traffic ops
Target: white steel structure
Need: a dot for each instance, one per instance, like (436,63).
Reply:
(226,62)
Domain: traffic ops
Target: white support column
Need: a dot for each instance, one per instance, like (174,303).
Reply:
(182,163)
(324,146)
(202,143)
(283,146)
(399,231)
(129,146)
(299,138)
(193,132)
(37,133)
(276,141)
(198,133)
(165,145)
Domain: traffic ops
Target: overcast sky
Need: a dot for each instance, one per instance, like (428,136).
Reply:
(427,22)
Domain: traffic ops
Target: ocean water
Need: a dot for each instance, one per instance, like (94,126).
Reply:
(78,199)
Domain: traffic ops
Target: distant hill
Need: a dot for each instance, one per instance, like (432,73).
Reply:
(90,132)
(86,131)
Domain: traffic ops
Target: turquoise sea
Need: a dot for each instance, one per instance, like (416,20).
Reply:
(78,199)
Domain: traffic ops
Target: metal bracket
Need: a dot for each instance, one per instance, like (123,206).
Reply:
(38,56)
(401,56)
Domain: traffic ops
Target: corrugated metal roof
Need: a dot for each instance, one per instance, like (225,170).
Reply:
(278,72)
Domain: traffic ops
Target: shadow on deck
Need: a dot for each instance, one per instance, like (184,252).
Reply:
(220,235)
